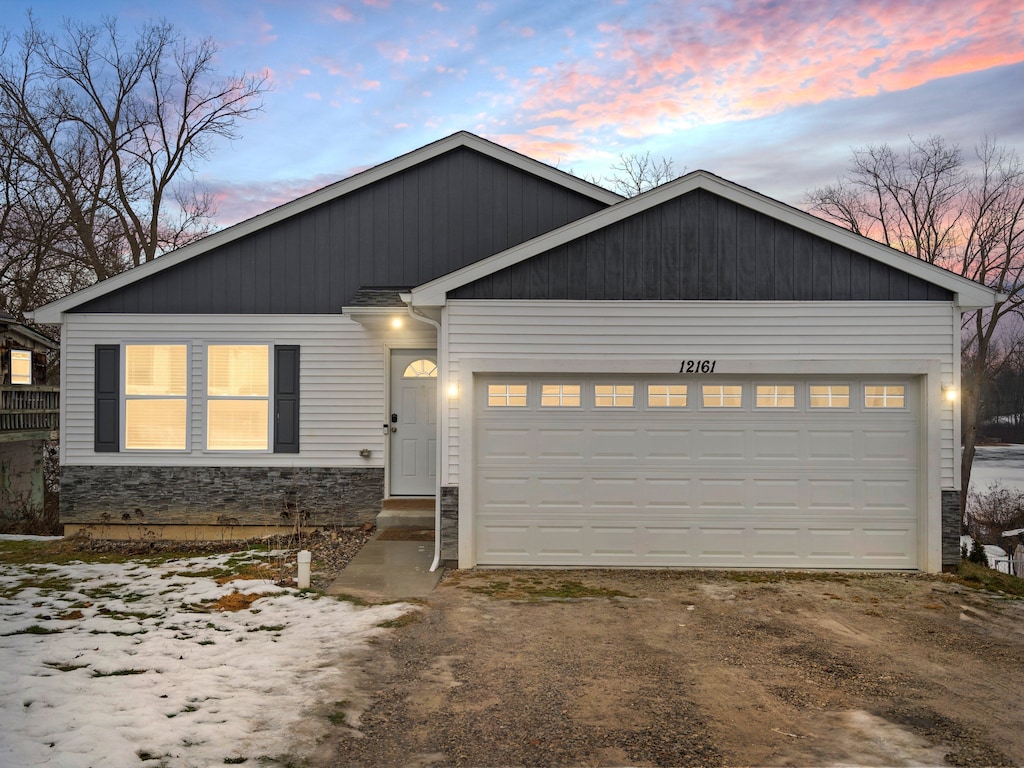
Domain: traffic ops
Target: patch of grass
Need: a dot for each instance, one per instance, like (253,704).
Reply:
(402,621)
(145,754)
(64,667)
(269,628)
(339,715)
(980,577)
(235,760)
(772,577)
(538,589)
(119,672)
(35,629)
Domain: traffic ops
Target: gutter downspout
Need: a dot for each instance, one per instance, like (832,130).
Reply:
(407,298)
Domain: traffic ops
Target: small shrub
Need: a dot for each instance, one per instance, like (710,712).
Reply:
(977,554)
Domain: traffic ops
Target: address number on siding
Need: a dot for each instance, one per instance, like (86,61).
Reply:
(697,366)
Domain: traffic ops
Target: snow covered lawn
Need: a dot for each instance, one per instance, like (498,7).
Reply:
(159,664)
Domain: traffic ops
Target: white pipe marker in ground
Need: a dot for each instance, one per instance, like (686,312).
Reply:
(304,559)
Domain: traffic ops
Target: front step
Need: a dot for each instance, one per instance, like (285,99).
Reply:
(406,513)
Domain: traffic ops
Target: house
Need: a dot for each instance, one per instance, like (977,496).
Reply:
(28,419)
(697,376)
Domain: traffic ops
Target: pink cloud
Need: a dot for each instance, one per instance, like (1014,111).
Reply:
(440,8)
(341,13)
(398,54)
(377,3)
(676,71)
(312,95)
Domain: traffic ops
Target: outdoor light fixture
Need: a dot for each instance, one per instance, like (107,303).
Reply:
(396,322)
(951,393)
(453,390)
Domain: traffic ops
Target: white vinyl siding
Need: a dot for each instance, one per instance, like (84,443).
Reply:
(744,337)
(342,384)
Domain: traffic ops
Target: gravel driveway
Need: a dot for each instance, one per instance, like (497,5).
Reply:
(659,668)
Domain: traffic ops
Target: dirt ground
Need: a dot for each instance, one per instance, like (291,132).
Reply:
(659,668)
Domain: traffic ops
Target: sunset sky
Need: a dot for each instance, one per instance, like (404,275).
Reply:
(772,94)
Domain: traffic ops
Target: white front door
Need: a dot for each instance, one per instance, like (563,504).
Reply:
(413,422)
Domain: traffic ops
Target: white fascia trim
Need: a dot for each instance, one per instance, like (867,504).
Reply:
(51,313)
(969,295)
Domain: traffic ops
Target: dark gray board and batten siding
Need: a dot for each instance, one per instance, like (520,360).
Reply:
(406,229)
(702,247)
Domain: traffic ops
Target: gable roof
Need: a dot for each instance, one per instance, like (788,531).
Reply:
(968,294)
(51,313)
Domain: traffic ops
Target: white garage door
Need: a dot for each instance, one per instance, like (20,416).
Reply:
(766,472)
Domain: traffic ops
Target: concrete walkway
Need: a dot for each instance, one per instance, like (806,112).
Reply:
(388,570)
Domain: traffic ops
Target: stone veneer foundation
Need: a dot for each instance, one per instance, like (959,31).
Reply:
(231,497)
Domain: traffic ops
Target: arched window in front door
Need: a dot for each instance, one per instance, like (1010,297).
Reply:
(421,369)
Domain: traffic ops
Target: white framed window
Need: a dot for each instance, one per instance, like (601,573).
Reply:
(613,395)
(237,397)
(420,369)
(560,396)
(830,395)
(776,396)
(156,397)
(21,366)
(506,395)
(884,396)
(722,395)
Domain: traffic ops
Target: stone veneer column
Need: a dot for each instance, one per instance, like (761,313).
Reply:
(450,522)
(950,528)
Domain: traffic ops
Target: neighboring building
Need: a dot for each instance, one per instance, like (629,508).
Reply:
(697,376)
(28,419)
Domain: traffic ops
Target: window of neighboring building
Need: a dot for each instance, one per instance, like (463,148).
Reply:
(884,396)
(666,396)
(238,397)
(506,395)
(830,396)
(21,366)
(613,395)
(156,396)
(776,396)
(560,396)
(722,395)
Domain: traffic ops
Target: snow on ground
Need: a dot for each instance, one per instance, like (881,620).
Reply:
(115,664)
(998,463)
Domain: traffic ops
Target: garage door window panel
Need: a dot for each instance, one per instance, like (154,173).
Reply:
(776,396)
(885,396)
(830,395)
(613,395)
(560,396)
(722,396)
(506,395)
(666,395)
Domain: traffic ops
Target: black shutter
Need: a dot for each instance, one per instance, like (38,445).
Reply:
(286,399)
(107,387)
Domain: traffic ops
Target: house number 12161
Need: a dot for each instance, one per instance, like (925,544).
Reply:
(697,366)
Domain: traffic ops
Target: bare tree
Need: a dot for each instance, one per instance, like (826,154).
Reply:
(965,216)
(636,173)
(99,138)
